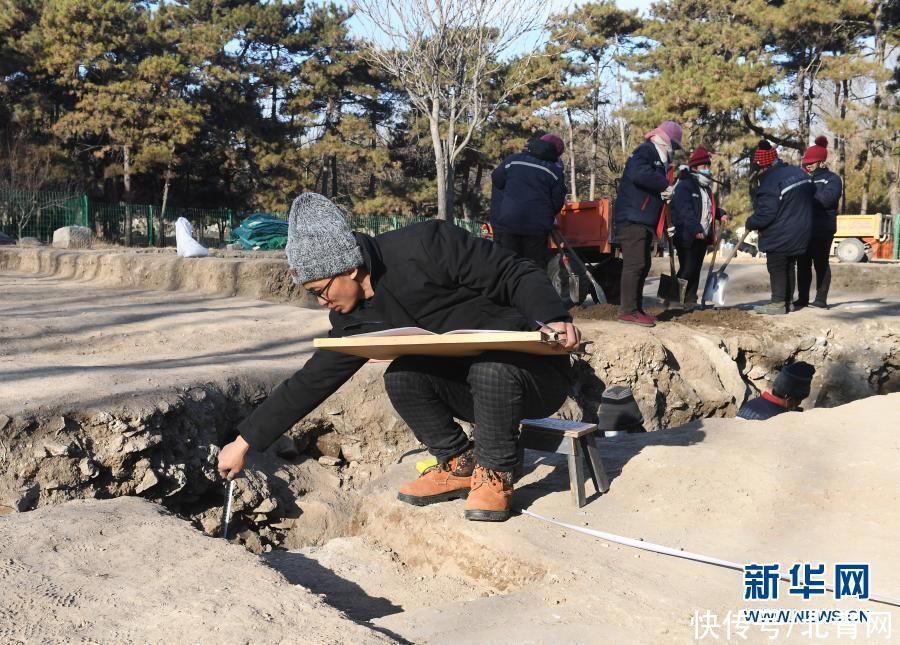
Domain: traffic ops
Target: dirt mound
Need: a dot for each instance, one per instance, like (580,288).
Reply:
(595,312)
(726,318)
(125,571)
(263,276)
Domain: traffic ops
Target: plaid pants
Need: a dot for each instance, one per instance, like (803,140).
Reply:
(495,391)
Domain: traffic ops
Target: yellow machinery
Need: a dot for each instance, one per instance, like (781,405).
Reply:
(863,237)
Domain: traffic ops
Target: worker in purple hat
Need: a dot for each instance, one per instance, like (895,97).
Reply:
(643,189)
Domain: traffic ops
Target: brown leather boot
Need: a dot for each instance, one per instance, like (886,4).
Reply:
(441,483)
(491,495)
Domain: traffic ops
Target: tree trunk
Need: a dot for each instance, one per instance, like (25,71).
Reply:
(334,176)
(573,189)
(126,179)
(842,145)
(801,106)
(882,105)
(621,99)
(373,122)
(867,179)
(274,112)
(322,176)
(595,129)
(476,190)
(161,241)
(893,177)
(444,210)
(450,184)
(466,205)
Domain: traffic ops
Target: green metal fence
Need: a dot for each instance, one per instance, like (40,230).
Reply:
(376,224)
(110,222)
(29,213)
(38,213)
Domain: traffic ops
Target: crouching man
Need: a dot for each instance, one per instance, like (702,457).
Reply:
(435,276)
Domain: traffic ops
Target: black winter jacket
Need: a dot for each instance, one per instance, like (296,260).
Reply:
(828,195)
(760,409)
(783,210)
(686,207)
(643,179)
(533,192)
(432,275)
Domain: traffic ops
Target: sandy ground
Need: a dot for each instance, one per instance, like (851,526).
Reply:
(65,342)
(124,571)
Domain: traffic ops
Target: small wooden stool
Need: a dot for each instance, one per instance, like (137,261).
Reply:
(575,439)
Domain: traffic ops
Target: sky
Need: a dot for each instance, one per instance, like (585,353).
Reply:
(641,5)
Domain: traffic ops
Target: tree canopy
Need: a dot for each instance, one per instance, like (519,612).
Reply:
(245,103)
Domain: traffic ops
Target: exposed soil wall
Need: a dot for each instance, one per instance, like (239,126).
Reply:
(263,278)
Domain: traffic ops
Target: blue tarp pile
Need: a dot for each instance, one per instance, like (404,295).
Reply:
(261,232)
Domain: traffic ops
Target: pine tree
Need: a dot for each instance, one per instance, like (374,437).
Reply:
(591,34)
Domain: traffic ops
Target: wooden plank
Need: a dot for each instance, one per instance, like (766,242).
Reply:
(390,347)
(564,426)
(576,473)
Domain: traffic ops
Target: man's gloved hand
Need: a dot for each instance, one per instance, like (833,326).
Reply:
(671,231)
(666,195)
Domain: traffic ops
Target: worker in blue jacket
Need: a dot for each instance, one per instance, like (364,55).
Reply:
(782,213)
(694,213)
(643,189)
(529,189)
(791,386)
(825,206)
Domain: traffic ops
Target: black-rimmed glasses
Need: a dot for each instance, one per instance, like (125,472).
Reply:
(320,293)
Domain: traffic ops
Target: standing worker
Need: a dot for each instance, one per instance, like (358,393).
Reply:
(694,210)
(643,189)
(782,213)
(825,205)
(529,189)
(436,276)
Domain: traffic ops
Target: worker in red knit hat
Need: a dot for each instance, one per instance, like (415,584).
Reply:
(782,213)
(694,213)
(825,206)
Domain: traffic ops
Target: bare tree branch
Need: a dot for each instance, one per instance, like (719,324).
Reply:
(444,54)
(788,143)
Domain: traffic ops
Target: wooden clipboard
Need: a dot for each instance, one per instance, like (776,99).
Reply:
(469,344)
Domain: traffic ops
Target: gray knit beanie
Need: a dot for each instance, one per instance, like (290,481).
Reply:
(320,244)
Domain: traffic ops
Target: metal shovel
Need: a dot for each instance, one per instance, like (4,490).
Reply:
(709,274)
(714,291)
(671,287)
